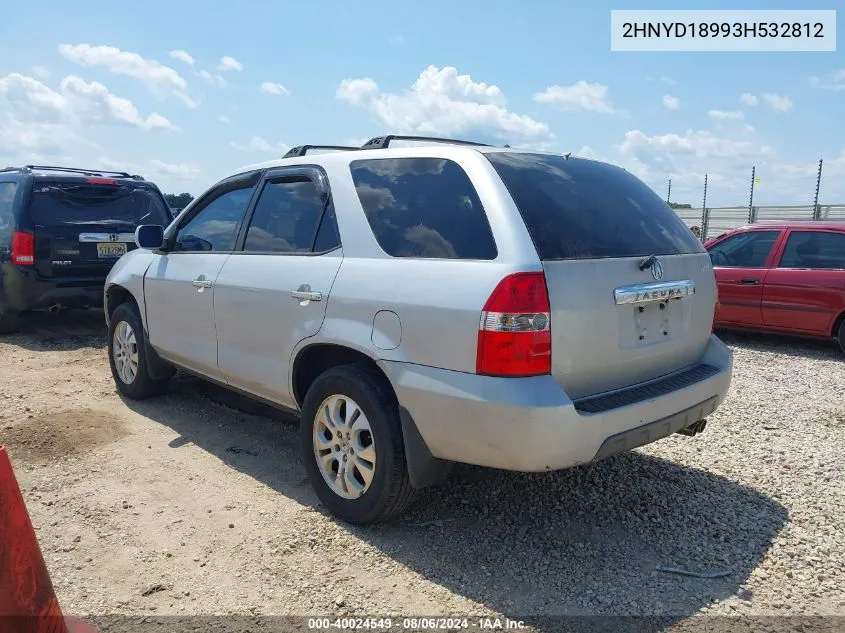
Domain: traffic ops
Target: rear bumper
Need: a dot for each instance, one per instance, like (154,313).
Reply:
(22,289)
(530,424)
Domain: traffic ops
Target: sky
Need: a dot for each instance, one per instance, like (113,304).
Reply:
(185,92)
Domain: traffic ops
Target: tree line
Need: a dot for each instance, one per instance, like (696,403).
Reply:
(178,200)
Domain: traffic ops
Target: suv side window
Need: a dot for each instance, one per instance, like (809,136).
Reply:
(215,226)
(423,207)
(821,250)
(745,250)
(7,199)
(287,218)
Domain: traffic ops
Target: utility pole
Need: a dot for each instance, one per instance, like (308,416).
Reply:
(751,198)
(669,192)
(816,209)
(704,212)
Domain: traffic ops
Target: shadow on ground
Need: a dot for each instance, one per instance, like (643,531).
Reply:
(66,330)
(581,541)
(781,344)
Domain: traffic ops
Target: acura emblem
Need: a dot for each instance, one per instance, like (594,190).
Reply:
(657,270)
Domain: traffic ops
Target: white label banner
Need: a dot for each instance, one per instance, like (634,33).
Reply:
(723,30)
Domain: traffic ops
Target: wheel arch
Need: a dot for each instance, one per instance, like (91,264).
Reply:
(314,358)
(837,323)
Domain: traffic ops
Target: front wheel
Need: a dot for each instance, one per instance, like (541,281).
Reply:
(842,335)
(352,445)
(128,355)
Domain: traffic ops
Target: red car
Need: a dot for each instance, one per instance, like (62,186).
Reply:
(787,278)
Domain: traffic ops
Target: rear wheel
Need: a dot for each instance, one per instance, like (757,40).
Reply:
(128,355)
(842,335)
(352,446)
(8,322)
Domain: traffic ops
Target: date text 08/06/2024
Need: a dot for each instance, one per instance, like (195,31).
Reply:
(416,624)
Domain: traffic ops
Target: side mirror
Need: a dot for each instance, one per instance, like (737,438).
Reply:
(149,236)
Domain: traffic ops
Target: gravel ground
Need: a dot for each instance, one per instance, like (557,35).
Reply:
(197,503)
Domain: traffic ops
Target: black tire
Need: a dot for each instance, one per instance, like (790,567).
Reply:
(842,335)
(142,386)
(8,322)
(390,492)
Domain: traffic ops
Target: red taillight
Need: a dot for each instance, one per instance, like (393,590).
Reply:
(97,180)
(23,249)
(514,336)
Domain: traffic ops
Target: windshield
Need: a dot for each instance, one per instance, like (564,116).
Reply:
(85,203)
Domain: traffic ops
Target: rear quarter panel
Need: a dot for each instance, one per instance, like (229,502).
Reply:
(438,301)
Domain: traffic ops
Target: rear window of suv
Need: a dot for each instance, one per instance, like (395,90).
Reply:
(582,209)
(423,208)
(70,202)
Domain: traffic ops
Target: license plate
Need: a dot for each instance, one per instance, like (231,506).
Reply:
(111,249)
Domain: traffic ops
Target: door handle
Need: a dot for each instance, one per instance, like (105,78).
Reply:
(306,295)
(749,281)
(201,282)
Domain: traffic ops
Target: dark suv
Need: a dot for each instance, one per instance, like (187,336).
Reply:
(61,231)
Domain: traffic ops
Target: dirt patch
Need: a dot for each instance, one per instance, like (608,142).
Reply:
(53,436)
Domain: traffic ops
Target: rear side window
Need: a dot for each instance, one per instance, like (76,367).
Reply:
(63,202)
(424,208)
(582,209)
(7,199)
(286,218)
(821,250)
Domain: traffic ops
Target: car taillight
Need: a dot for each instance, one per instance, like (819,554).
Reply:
(23,248)
(514,336)
(97,180)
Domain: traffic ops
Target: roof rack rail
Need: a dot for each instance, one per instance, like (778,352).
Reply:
(381,142)
(301,150)
(87,172)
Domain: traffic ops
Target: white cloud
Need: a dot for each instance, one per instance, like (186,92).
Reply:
(357,91)
(259,144)
(685,158)
(77,101)
(673,103)
(229,63)
(183,171)
(578,96)
(270,88)
(666,81)
(748,99)
(29,142)
(443,102)
(699,143)
(182,56)
(213,80)
(158,78)
(833,81)
(726,115)
(777,102)
(223,119)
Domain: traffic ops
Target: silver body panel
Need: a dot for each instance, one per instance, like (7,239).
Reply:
(419,318)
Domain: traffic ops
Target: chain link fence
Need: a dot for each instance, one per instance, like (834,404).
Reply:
(714,221)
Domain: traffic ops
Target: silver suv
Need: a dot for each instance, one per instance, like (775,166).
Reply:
(420,306)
